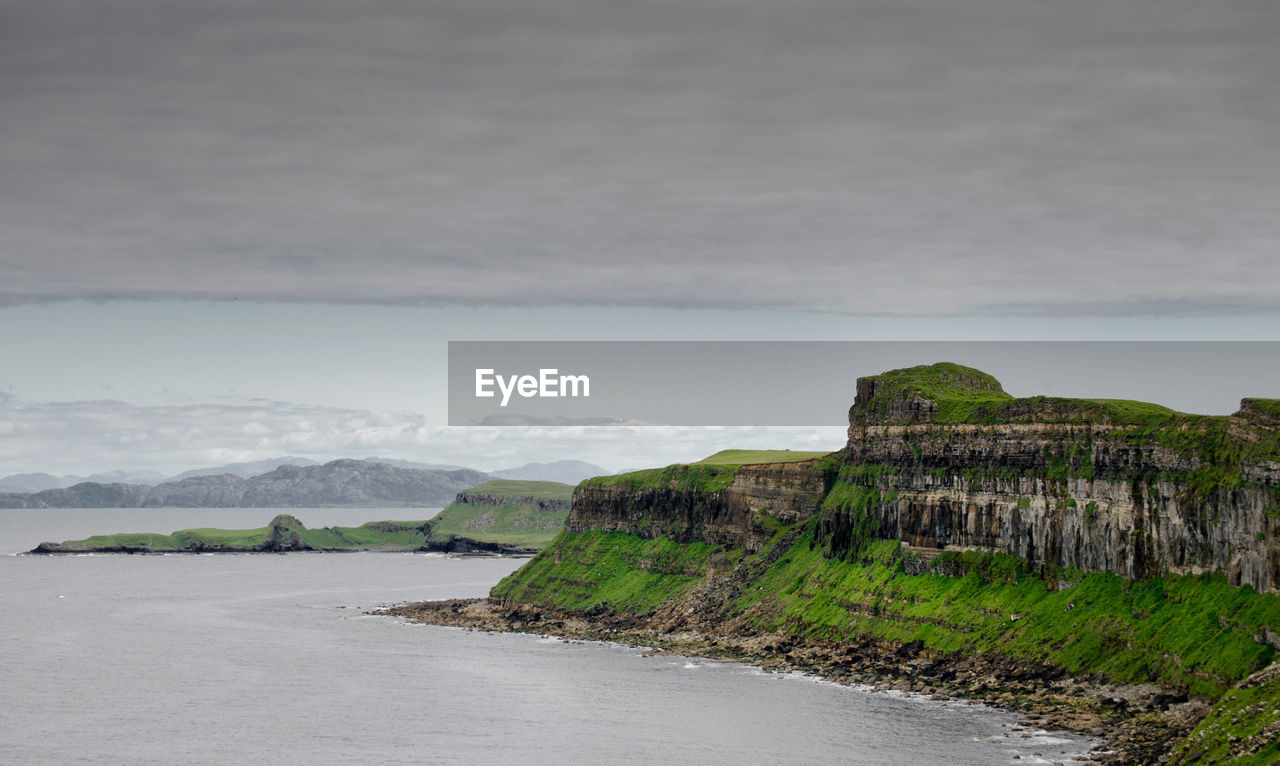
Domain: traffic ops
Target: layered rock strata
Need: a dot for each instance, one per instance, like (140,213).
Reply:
(956,464)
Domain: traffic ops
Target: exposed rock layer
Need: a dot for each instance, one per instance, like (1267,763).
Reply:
(541,503)
(788,492)
(1051,481)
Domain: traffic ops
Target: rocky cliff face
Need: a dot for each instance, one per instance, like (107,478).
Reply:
(340,482)
(941,459)
(541,503)
(741,514)
(1087,484)
(1113,507)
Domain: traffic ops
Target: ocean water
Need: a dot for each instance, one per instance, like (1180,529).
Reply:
(270,659)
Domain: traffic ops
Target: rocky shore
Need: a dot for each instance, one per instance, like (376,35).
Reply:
(1136,723)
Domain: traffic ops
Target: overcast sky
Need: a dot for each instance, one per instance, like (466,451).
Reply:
(555,168)
(871,157)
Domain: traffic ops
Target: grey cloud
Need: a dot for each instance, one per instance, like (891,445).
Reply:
(874,157)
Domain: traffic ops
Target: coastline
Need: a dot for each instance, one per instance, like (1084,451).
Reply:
(287,534)
(518,554)
(1134,723)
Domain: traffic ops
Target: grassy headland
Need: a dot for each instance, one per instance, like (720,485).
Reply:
(524,513)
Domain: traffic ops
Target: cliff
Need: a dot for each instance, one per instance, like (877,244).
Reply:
(339,482)
(516,512)
(1109,564)
(740,505)
(941,459)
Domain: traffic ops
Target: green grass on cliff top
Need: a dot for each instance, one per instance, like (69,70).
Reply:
(739,457)
(711,474)
(943,381)
(542,490)
(966,395)
(969,396)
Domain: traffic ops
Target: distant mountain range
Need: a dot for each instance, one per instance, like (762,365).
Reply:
(218,489)
(35,482)
(340,482)
(38,482)
(563,471)
(243,470)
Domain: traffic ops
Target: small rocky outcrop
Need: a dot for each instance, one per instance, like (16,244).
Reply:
(285,534)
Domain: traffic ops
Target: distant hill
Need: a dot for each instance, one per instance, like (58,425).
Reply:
(108,477)
(245,470)
(30,482)
(340,482)
(564,471)
(515,512)
(36,482)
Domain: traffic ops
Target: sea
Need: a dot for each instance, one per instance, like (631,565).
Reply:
(271,658)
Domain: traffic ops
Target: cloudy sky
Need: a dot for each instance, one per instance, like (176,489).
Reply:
(289,207)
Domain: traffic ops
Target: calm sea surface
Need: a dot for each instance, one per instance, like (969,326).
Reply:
(269,659)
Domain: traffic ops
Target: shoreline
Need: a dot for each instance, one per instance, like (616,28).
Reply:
(1133,723)
(256,551)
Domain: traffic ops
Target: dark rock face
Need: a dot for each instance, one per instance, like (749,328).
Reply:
(86,495)
(1114,506)
(905,408)
(455,544)
(218,491)
(285,535)
(542,504)
(340,482)
(787,492)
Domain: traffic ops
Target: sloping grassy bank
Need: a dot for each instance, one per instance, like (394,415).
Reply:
(1195,636)
(1192,633)
(616,571)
